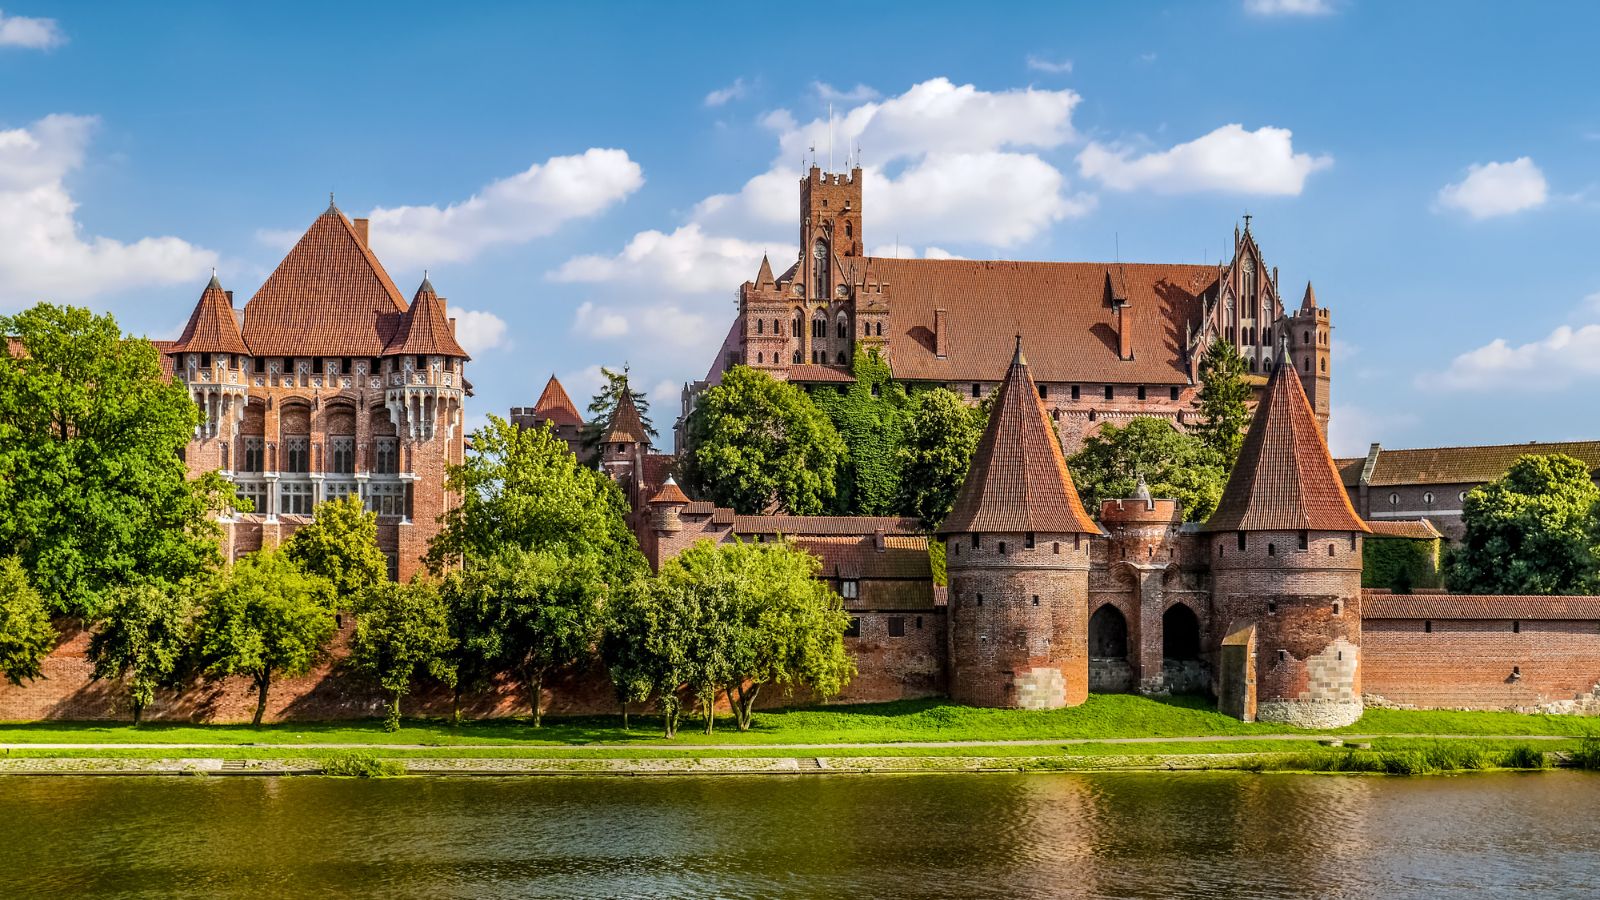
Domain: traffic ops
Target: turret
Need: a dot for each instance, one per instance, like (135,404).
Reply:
(424,369)
(1017,549)
(625,442)
(1310,332)
(211,357)
(666,506)
(1286,572)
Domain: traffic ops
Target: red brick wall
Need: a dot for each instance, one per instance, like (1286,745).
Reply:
(1468,664)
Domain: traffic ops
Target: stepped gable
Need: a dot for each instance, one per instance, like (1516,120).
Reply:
(1018,481)
(1284,479)
(555,405)
(328,297)
(212,327)
(1062,307)
(626,426)
(424,329)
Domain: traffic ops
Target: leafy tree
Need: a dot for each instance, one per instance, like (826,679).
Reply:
(402,636)
(604,406)
(650,631)
(530,613)
(941,434)
(1173,464)
(341,545)
(523,489)
(93,492)
(869,416)
(264,618)
(1224,401)
(1533,531)
(26,635)
(143,635)
(755,443)
(771,622)
(624,645)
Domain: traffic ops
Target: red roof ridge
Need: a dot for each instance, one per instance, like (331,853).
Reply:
(554,404)
(424,328)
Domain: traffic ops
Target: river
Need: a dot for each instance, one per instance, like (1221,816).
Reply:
(939,836)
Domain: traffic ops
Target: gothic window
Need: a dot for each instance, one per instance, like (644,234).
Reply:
(760,358)
(344,454)
(796,357)
(1044,392)
(1305,338)
(761,326)
(1324,365)
(252,454)
(794,326)
(866,330)
(879,328)
(819,327)
(386,456)
(1305,365)
(843,326)
(387,498)
(294,498)
(777,326)
(1249,282)
(296,454)
(819,260)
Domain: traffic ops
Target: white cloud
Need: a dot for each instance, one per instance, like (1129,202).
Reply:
(735,91)
(688,260)
(514,210)
(1564,355)
(1229,159)
(1497,189)
(988,198)
(1289,7)
(479,331)
(1352,429)
(892,251)
(43,252)
(599,322)
(830,94)
(1054,67)
(32,34)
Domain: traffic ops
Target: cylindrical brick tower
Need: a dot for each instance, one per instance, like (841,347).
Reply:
(1017,552)
(1286,566)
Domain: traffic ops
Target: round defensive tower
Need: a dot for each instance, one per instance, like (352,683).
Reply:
(1017,552)
(1286,572)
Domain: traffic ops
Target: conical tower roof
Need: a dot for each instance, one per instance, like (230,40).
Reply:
(555,405)
(424,329)
(1284,479)
(670,493)
(1309,301)
(212,327)
(1018,481)
(764,276)
(626,425)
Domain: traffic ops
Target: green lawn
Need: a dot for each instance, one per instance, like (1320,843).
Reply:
(1103,716)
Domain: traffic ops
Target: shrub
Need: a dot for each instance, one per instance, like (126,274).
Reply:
(1525,757)
(355,764)
(1587,756)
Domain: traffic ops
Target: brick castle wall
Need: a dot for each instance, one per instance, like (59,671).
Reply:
(1483,664)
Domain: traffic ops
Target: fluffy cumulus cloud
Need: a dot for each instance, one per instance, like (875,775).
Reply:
(1497,189)
(1353,429)
(1289,7)
(32,34)
(44,254)
(722,96)
(514,210)
(1568,354)
(1050,66)
(599,321)
(830,94)
(1229,159)
(479,331)
(686,260)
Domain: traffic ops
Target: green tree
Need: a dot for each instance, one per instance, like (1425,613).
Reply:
(1533,531)
(768,621)
(604,406)
(869,416)
(143,635)
(524,489)
(341,545)
(625,647)
(264,618)
(1173,464)
(530,613)
(403,636)
(26,635)
(755,443)
(941,434)
(93,492)
(656,630)
(1224,401)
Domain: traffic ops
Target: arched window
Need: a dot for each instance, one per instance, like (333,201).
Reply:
(1180,633)
(761,326)
(1249,282)
(1324,365)
(797,357)
(1306,365)
(795,324)
(777,326)
(759,359)
(842,326)
(1108,633)
(819,260)
(880,329)
(1305,338)
(866,329)
(819,326)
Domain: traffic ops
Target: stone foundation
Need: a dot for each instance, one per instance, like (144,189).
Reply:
(1309,713)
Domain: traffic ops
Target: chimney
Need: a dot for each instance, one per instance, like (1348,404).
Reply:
(452,326)
(941,336)
(879,541)
(229,295)
(361,230)
(1124,334)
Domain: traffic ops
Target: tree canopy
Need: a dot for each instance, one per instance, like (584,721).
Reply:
(93,490)
(941,434)
(1224,402)
(1533,531)
(264,618)
(756,443)
(1173,465)
(651,632)
(604,405)
(341,544)
(870,416)
(26,635)
(402,637)
(523,489)
(142,636)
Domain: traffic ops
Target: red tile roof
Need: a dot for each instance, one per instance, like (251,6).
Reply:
(1479,606)
(555,405)
(1284,479)
(855,559)
(670,493)
(329,297)
(806,373)
(424,328)
(212,326)
(1414,529)
(800,526)
(1060,308)
(1018,480)
(626,426)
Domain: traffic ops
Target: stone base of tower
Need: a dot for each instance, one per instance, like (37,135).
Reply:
(1309,713)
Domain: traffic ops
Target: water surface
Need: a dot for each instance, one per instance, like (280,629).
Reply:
(938,836)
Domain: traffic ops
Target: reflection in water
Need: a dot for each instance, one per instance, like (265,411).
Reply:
(948,836)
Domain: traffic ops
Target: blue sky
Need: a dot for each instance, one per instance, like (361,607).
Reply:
(588,184)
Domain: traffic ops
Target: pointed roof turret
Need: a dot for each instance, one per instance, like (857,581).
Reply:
(670,493)
(555,405)
(1018,480)
(212,327)
(764,279)
(626,426)
(1284,479)
(424,330)
(1310,301)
